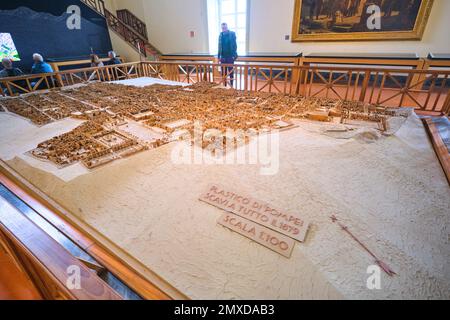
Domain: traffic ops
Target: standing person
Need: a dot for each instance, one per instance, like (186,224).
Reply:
(227,51)
(40,66)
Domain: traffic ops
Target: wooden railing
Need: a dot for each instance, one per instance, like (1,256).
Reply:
(32,83)
(77,64)
(130,19)
(389,87)
(126,32)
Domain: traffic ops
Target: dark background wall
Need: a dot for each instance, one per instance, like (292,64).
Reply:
(39,26)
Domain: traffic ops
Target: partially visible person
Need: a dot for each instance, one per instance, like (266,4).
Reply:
(9,70)
(95,61)
(40,66)
(227,51)
(113,58)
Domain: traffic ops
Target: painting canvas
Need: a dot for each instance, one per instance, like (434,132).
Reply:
(8,48)
(328,20)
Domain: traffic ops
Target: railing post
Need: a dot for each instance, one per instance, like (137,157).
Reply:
(8,87)
(366,80)
(205,74)
(405,89)
(418,77)
(303,81)
(295,79)
(140,69)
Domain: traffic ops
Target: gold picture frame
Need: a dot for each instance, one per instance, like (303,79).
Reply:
(415,34)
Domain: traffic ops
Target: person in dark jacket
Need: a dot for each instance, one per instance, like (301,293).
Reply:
(227,51)
(40,66)
(10,71)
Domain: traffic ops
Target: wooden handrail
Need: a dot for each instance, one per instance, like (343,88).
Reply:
(290,66)
(391,87)
(254,66)
(89,69)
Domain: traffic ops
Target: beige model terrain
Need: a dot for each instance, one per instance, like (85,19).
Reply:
(371,167)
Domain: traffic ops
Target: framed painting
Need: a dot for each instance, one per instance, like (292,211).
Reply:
(344,20)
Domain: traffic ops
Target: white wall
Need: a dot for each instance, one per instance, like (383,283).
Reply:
(169,23)
(120,46)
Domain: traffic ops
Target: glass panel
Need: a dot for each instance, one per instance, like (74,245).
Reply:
(213,26)
(228,6)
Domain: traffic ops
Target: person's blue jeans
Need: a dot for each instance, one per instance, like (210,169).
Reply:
(228,70)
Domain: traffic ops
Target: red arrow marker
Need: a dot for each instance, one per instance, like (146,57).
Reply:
(380,263)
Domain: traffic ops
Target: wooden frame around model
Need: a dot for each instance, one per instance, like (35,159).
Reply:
(415,34)
(389,87)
